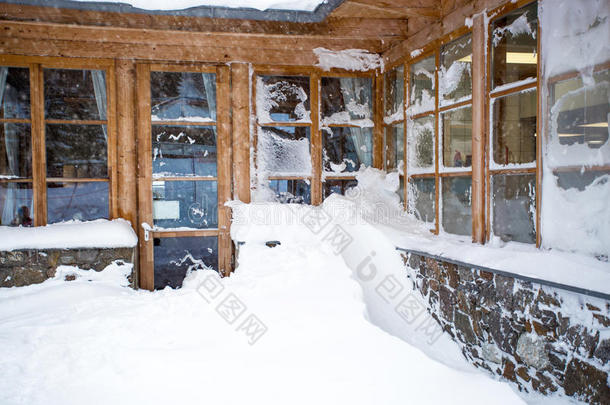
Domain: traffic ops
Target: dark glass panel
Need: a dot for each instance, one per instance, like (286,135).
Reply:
(190,204)
(346,149)
(76,151)
(421,86)
(351,98)
(393,90)
(16,204)
(15,96)
(77,201)
(15,150)
(183,151)
(71,94)
(337,186)
(422,198)
(514,210)
(183,96)
(457,137)
(457,201)
(291,191)
(394,147)
(283,98)
(514,128)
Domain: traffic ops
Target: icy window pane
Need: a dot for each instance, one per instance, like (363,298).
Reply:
(76,151)
(183,96)
(394,147)
(514,46)
(457,137)
(336,186)
(174,258)
(347,100)
(401,189)
(282,98)
(393,91)
(75,94)
(514,207)
(78,201)
(16,204)
(346,149)
(15,101)
(190,204)
(514,128)
(183,151)
(579,122)
(15,150)
(422,197)
(291,191)
(284,151)
(455,75)
(421,86)
(457,201)
(420,144)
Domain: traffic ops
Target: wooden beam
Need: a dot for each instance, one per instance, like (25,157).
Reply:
(402,8)
(240,82)
(316,140)
(39,170)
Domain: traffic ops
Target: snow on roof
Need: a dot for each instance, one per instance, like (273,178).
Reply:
(296,5)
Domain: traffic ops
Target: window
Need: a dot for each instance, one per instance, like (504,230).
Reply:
(394,125)
(67,175)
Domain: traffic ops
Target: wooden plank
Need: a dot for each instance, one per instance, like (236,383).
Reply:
(126,142)
(387,9)
(160,233)
(184,123)
(378,135)
(240,81)
(437,146)
(39,171)
(316,140)
(144,150)
(56,62)
(478,128)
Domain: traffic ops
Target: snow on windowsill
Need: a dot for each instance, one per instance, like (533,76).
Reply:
(100,233)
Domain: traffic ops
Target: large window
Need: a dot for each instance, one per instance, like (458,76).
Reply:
(55,134)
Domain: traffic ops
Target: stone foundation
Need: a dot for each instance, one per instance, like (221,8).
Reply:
(540,338)
(32,266)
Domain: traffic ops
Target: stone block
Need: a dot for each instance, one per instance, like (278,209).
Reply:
(462,323)
(602,353)
(586,382)
(465,273)
(532,349)
(452,275)
(447,302)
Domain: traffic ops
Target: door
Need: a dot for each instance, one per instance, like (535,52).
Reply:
(184,174)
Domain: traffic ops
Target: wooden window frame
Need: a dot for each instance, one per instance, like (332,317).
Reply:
(37,122)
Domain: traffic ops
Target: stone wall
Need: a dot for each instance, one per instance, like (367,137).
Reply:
(538,337)
(32,266)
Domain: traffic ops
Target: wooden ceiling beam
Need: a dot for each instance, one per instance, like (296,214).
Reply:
(404,8)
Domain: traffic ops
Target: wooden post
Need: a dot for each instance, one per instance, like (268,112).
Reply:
(39,170)
(316,140)
(478,128)
(240,83)
(126,141)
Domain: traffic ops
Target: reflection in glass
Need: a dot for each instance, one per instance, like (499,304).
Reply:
(457,137)
(188,96)
(393,90)
(457,201)
(174,258)
(77,201)
(76,151)
(291,191)
(282,98)
(15,150)
(346,99)
(16,207)
(394,147)
(346,149)
(183,151)
(421,86)
(284,151)
(190,204)
(14,92)
(514,46)
(422,197)
(337,186)
(514,128)
(513,202)
(455,76)
(72,94)
(420,144)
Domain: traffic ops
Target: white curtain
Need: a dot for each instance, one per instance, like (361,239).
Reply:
(359,135)
(209,82)
(99,88)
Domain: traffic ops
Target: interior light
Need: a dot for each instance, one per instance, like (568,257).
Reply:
(569,135)
(467,58)
(596,142)
(595,125)
(526,58)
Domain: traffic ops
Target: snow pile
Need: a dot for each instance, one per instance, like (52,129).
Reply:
(300,5)
(348,59)
(100,233)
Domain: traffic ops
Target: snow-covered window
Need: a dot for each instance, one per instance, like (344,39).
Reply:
(422,84)
(283,99)
(455,71)
(394,123)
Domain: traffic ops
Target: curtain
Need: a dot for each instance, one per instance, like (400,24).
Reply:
(359,135)
(99,88)
(209,82)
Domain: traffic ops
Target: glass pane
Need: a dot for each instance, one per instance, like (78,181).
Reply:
(579,120)
(457,213)
(284,151)
(394,147)
(337,186)
(514,128)
(514,207)
(455,76)
(14,92)
(15,150)
(393,91)
(77,201)
(189,204)
(401,189)
(16,204)
(174,258)
(514,46)
(75,94)
(76,151)
(346,149)
(291,191)
(346,100)
(183,151)
(421,86)
(422,198)
(282,98)
(183,96)
(457,137)
(420,144)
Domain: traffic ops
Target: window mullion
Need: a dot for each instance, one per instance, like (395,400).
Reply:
(38,145)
